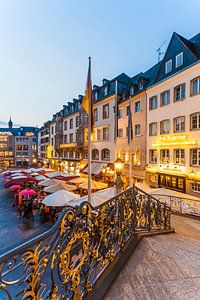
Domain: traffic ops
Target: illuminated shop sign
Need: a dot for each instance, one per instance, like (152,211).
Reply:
(174,140)
(5,133)
(29,133)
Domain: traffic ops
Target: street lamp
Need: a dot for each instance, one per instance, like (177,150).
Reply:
(118,170)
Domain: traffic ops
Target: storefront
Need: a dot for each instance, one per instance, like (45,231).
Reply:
(177,183)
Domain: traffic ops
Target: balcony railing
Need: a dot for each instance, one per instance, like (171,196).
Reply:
(67,261)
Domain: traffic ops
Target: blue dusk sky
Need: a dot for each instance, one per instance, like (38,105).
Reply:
(45,46)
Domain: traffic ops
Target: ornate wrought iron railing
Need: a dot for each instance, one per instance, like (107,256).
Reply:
(67,261)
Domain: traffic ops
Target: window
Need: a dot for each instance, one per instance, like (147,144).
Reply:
(136,158)
(179,60)
(65,125)
(25,147)
(164,156)
(179,124)
(95,154)
(195,121)
(153,103)
(52,130)
(141,85)
(153,128)
(106,90)
(106,111)
(71,123)
(195,86)
(137,129)
(77,121)
(137,106)
(98,134)
(120,113)
(127,110)
(105,133)
(179,156)
(165,98)
(196,187)
(179,92)
(195,157)
(105,154)
(120,133)
(18,147)
(168,66)
(95,114)
(165,127)
(132,90)
(52,141)
(153,156)
(71,138)
(65,139)
(95,96)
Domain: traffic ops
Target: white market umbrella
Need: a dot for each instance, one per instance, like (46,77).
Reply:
(40,178)
(59,187)
(47,182)
(95,185)
(54,174)
(60,198)
(78,180)
(19,177)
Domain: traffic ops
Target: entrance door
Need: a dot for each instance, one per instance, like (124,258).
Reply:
(172,182)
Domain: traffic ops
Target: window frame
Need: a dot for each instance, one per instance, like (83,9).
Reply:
(138,102)
(150,131)
(177,56)
(161,97)
(151,156)
(197,157)
(198,121)
(161,132)
(150,99)
(175,119)
(103,154)
(161,156)
(175,89)
(95,114)
(179,157)
(103,108)
(166,66)
(198,85)
(138,124)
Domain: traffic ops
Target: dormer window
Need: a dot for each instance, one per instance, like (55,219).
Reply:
(95,96)
(168,66)
(179,60)
(140,85)
(124,95)
(132,90)
(106,90)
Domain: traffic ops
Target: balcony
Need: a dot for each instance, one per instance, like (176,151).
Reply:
(68,145)
(84,251)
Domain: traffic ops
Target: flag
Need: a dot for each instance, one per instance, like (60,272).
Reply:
(130,125)
(116,114)
(87,103)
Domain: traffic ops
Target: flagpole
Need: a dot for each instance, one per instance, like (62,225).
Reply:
(130,152)
(89,141)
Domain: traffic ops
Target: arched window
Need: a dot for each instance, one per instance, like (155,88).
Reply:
(95,154)
(105,154)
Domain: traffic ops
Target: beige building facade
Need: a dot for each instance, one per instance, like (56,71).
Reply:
(173,132)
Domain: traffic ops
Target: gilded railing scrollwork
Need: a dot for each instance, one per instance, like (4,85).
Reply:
(66,261)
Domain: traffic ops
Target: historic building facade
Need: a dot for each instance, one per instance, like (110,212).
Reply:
(164,104)
(18,146)
(173,119)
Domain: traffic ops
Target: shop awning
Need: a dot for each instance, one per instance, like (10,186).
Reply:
(96,168)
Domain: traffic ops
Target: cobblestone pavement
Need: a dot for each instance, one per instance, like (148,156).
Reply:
(163,267)
(12,231)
